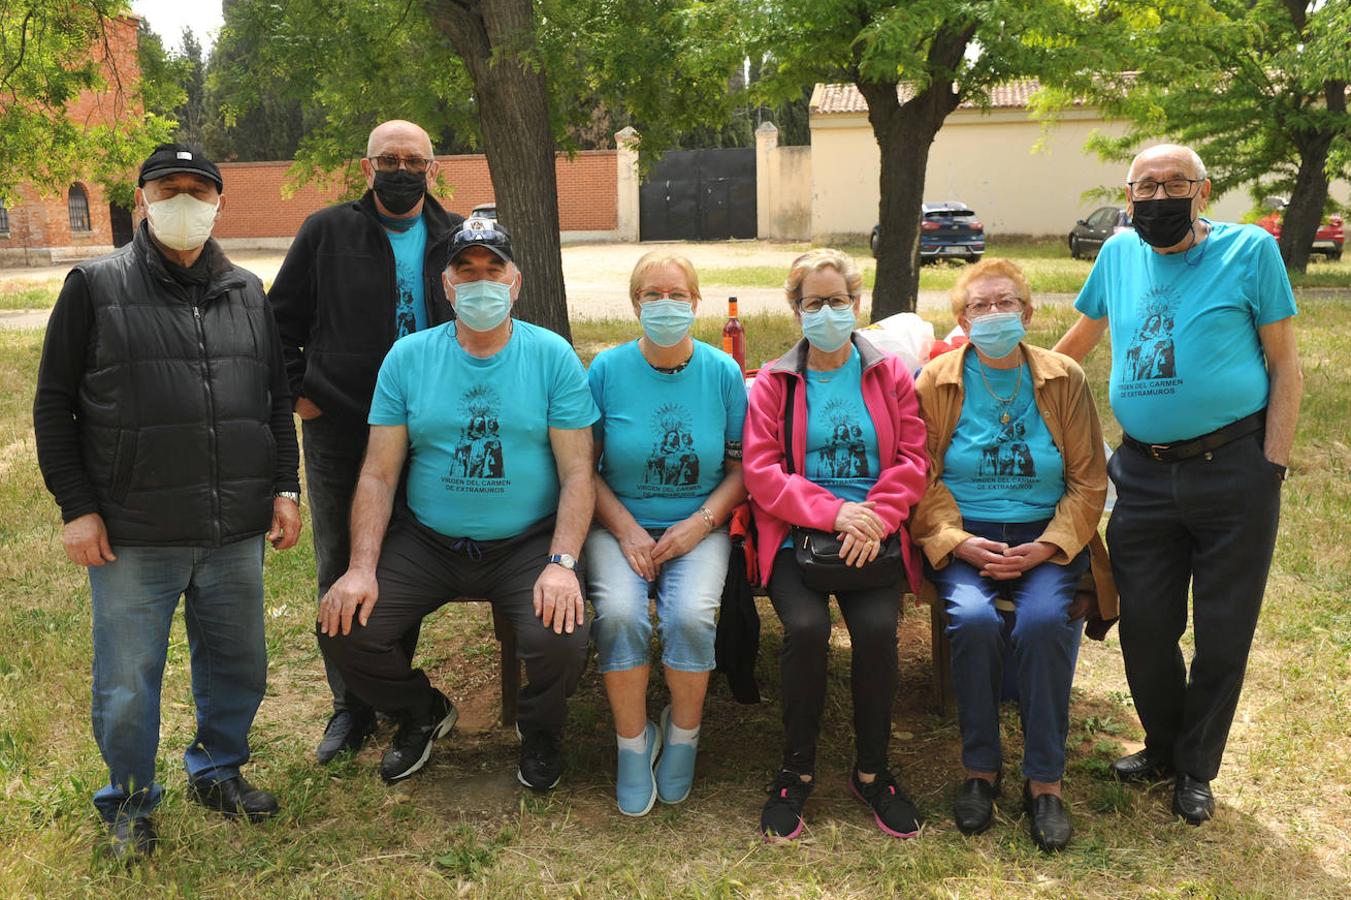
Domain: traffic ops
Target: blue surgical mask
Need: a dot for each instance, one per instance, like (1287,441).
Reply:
(666,322)
(997,334)
(828,329)
(482,305)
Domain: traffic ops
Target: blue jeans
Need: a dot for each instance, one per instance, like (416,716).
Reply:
(1045,648)
(133,602)
(689,592)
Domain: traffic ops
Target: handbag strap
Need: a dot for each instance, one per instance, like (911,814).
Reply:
(789,413)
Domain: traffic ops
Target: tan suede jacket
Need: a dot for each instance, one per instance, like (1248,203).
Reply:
(1066,405)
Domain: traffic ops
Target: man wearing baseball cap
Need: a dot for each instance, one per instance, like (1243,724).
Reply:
(163,423)
(493,416)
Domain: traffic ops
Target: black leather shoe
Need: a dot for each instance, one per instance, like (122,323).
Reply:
(347,730)
(1141,766)
(131,839)
(1192,799)
(1048,822)
(541,766)
(235,797)
(413,741)
(973,807)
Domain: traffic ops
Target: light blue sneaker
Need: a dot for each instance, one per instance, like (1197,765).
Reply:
(635,788)
(675,770)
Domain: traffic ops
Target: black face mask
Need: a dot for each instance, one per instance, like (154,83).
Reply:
(1163,223)
(400,190)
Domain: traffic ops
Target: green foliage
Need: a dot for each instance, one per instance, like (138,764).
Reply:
(1238,80)
(50,52)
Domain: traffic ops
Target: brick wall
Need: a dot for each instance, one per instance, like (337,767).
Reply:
(257,208)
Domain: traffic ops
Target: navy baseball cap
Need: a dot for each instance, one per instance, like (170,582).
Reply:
(478,231)
(170,158)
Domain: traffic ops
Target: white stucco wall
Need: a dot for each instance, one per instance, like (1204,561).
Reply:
(1018,179)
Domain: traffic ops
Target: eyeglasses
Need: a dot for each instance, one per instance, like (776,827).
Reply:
(654,296)
(834,301)
(1003,304)
(390,163)
(1146,188)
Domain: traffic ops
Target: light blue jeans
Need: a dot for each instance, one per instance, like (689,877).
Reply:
(689,592)
(134,600)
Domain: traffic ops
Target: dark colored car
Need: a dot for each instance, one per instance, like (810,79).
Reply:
(1328,241)
(946,230)
(1088,235)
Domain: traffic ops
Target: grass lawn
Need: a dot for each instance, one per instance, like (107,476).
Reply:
(1046,262)
(463,828)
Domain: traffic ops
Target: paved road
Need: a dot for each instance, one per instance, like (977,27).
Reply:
(597,277)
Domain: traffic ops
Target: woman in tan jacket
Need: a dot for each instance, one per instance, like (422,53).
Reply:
(1016,485)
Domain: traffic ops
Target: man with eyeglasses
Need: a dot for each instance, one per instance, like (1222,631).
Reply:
(359,276)
(493,417)
(1206,384)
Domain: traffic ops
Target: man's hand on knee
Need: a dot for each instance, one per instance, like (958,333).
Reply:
(558,599)
(354,594)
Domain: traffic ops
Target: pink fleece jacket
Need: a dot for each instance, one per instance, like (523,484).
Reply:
(779,500)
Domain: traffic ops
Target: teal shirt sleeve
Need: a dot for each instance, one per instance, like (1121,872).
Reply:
(595,376)
(570,402)
(389,404)
(1274,296)
(734,399)
(1092,299)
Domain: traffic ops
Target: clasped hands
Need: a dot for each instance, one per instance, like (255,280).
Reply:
(997,560)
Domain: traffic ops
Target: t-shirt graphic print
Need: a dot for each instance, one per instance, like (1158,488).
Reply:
(672,468)
(476,460)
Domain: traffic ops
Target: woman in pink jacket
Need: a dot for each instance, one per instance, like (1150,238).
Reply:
(857,469)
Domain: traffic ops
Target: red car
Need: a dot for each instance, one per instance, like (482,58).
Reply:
(1328,241)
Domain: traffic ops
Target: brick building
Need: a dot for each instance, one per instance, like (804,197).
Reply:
(79,221)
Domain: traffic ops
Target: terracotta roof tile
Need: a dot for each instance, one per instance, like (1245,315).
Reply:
(837,99)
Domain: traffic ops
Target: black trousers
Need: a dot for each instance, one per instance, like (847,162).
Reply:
(334,450)
(420,570)
(871,617)
(1210,523)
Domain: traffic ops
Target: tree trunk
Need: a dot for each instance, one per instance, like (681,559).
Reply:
(496,40)
(1303,215)
(904,133)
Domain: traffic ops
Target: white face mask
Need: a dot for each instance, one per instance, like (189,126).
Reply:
(182,222)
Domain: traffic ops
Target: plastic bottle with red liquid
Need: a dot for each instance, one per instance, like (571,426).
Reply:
(734,336)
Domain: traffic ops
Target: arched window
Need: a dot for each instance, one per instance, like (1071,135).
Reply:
(4,218)
(78,205)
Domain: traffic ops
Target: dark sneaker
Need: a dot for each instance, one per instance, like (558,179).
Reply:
(973,807)
(235,797)
(541,766)
(1048,822)
(131,839)
(347,730)
(781,819)
(893,811)
(1192,799)
(412,743)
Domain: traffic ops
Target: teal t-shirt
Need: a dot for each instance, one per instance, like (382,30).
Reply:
(1002,471)
(410,249)
(480,462)
(666,435)
(841,441)
(1186,356)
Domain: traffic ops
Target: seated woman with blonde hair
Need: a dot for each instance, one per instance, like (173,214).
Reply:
(1017,482)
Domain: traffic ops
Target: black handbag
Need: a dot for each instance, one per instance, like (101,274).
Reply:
(817,552)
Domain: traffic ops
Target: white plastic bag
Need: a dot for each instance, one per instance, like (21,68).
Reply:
(905,335)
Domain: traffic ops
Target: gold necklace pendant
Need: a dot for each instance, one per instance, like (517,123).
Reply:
(1004,419)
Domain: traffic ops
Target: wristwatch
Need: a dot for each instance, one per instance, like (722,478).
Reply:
(566,560)
(293,496)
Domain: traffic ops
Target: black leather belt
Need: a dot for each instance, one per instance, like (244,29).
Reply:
(1179,450)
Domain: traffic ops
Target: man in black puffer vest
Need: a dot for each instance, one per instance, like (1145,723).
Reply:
(164,431)
(358,277)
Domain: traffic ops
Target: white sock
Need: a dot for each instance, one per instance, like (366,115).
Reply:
(634,744)
(680,735)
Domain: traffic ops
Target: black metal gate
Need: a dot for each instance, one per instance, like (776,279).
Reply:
(120,219)
(699,195)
